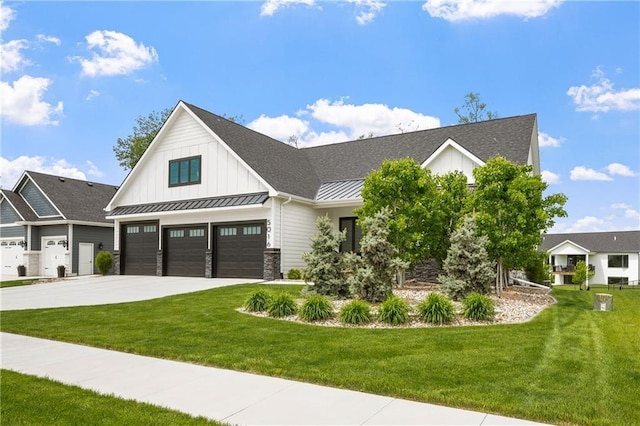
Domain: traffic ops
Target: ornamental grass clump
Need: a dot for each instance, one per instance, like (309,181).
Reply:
(394,311)
(478,307)
(355,312)
(258,301)
(281,305)
(436,309)
(316,308)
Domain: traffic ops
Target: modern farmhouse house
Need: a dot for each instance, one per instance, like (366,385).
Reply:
(212,198)
(47,221)
(614,257)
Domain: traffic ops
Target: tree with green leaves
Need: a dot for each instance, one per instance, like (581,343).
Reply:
(473,110)
(453,190)
(324,261)
(375,273)
(410,193)
(467,266)
(129,150)
(581,274)
(511,210)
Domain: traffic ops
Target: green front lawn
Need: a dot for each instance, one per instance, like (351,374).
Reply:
(29,400)
(569,365)
(16,283)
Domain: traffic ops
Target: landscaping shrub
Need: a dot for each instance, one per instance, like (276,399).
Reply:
(324,262)
(394,310)
(104,262)
(478,307)
(455,288)
(294,274)
(258,301)
(281,305)
(436,309)
(355,312)
(316,308)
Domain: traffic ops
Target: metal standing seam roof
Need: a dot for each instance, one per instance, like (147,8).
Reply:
(201,203)
(340,190)
(597,242)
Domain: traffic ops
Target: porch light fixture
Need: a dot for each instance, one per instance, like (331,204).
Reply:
(100,246)
(22,244)
(65,243)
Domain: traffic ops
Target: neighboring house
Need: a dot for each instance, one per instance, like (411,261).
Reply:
(47,221)
(212,198)
(614,257)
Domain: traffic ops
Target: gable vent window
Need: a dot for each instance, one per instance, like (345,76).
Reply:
(184,171)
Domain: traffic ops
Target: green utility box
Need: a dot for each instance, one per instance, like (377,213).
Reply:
(603,302)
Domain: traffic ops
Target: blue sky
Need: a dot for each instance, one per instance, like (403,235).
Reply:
(75,75)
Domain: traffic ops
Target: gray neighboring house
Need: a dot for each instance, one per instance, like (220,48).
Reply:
(614,257)
(212,198)
(47,221)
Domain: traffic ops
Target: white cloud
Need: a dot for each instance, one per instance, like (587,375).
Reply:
(602,97)
(368,10)
(114,53)
(12,169)
(6,16)
(632,214)
(48,39)
(22,101)
(545,139)
(11,58)
(281,127)
(345,122)
(270,7)
(583,173)
(93,170)
(620,206)
(550,177)
(92,94)
(620,169)
(461,10)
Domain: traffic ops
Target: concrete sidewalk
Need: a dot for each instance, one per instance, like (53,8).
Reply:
(223,395)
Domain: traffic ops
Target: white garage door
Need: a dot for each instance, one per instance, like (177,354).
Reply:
(53,254)
(12,254)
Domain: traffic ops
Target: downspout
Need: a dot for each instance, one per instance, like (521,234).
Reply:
(282,233)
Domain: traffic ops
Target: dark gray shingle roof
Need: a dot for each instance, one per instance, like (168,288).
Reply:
(599,242)
(302,171)
(284,167)
(201,203)
(76,199)
(20,205)
(509,137)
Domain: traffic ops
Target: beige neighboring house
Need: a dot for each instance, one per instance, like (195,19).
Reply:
(212,198)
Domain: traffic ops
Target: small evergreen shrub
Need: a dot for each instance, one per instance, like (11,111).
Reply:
(316,308)
(258,301)
(281,305)
(355,312)
(394,310)
(453,287)
(294,274)
(436,309)
(104,262)
(478,307)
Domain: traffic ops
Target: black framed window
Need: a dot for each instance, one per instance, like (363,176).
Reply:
(185,171)
(618,280)
(618,261)
(354,234)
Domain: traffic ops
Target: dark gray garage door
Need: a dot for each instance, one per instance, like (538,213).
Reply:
(139,245)
(184,251)
(239,250)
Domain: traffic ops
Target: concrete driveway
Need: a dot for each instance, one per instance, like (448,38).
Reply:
(103,290)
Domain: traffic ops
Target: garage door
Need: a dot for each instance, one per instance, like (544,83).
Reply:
(12,256)
(184,251)
(239,250)
(140,247)
(53,255)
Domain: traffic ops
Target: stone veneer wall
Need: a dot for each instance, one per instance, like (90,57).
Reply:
(116,263)
(159,263)
(31,260)
(208,264)
(425,271)
(271,268)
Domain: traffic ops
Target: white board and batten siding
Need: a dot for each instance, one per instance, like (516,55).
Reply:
(450,159)
(299,225)
(221,173)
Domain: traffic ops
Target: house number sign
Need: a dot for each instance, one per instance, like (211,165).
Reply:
(269,236)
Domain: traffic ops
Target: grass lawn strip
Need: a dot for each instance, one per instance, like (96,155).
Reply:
(16,283)
(30,400)
(569,365)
